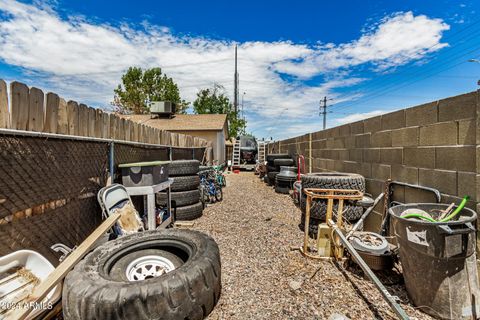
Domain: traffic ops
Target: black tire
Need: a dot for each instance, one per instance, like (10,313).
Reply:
(312,227)
(185,183)
(266,179)
(273,156)
(283,162)
(271,178)
(271,168)
(190,291)
(218,193)
(283,190)
(318,210)
(181,198)
(334,180)
(183,167)
(190,212)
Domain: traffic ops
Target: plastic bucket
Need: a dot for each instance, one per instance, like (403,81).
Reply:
(439,261)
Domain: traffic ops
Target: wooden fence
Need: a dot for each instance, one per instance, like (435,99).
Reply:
(30,109)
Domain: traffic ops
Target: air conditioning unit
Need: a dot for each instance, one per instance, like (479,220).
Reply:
(162,107)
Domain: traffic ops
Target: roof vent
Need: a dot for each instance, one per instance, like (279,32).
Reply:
(162,108)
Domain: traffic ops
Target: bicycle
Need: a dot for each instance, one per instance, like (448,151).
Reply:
(210,191)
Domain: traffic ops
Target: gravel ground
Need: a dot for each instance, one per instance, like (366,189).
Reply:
(262,278)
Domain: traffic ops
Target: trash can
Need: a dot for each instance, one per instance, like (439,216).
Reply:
(144,173)
(439,261)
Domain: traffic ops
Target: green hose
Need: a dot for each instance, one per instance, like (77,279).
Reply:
(446,219)
(456,211)
(418,215)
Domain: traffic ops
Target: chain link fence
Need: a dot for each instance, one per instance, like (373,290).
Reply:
(48,186)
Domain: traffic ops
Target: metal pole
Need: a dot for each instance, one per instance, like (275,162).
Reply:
(235,85)
(386,295)
(324,113)
(112,161)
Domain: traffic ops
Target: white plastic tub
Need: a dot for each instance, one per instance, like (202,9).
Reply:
(38,266)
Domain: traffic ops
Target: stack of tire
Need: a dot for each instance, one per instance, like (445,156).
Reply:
(285,179)
(184,189)
(274,162)
(330,180)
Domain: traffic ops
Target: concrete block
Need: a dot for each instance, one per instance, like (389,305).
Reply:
(350,166)
(467,184)
(355,155)
(405,174)
(381,139)
(381,171)
(343,154)
(460,158)
(319,144)
(466,131)
(371,155)
(339,143)
(422,114)
(330,143)
(362,140)
(318,135)
(393,120)
(372,124)
(338,166)
(330,164)
(374,187)
(443,180)
(356,127)
(350,142)
(459,107)
(391,155)
(405,137)
(447,198)
(421,157)
(365,169)
(342,131)
(417,195)
(439,134)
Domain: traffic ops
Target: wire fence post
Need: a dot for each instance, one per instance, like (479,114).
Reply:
(111,159)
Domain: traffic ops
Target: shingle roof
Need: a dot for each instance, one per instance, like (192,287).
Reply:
(182,122)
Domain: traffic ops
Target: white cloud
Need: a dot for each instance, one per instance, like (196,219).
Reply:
(84,60)
(358,116)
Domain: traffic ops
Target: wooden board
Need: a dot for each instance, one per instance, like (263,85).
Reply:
(92,115)
(113,126)
(62,117)
(19,101)
(72,113)
(51,113)
(98,123)
(65,266)
(128,130)
(106,125)
(82,120)
(4,113)
(36,109)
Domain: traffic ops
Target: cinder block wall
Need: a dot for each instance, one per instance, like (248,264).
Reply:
(434,144)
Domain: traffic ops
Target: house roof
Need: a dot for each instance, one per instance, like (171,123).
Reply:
(183,122)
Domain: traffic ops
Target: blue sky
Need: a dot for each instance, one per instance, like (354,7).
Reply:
(370,57)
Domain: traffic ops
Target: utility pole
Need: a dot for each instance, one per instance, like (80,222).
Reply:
(235,85)
(323,112)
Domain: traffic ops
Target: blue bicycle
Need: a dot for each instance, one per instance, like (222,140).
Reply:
(210,191)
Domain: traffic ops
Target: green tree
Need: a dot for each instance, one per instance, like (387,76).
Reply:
(214,101)
(140,86)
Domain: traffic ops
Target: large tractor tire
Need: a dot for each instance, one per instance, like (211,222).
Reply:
(167,274)
(333,180)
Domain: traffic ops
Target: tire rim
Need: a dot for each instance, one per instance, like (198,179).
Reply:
(148,267)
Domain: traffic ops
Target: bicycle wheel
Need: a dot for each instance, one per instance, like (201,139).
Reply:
(218,193)
(204,196)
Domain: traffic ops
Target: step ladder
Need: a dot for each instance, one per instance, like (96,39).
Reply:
(262,151)
(236,154)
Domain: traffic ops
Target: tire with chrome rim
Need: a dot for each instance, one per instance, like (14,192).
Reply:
(167,274)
